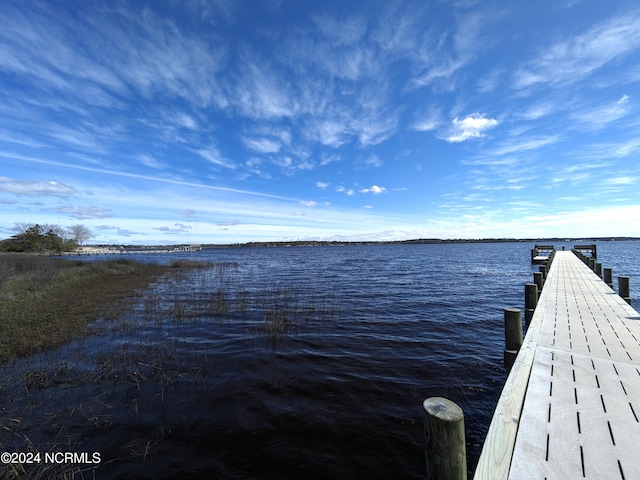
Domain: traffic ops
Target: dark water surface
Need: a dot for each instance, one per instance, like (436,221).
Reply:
(305,362)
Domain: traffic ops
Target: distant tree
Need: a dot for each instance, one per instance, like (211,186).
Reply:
(39,238)
(51,241)
(79,233)
(55,230)
(33,239)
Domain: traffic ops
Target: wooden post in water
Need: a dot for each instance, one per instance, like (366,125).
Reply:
(530,301)
(446,450)
(512,336)
(538,279)
(598,269)
(608,277)
(623,289)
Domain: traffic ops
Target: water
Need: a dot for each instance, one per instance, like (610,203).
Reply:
(314,362)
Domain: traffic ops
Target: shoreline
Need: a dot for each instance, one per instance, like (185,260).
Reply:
(45,303)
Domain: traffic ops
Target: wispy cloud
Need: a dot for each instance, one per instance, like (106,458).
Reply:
(518,145)
(622,180)
(262,92)
(608,150)
(262,145)
(428,121)
(539,110)
(149,161)
(213,155)
(601,116)
(571,60)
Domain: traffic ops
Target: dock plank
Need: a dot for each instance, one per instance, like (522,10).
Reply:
(579,416)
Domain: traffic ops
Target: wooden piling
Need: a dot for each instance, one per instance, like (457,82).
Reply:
(445,440)
(512,336)
(538,279)
(598,269)
(608,277)
(530,301)
(543,271)
(623,289)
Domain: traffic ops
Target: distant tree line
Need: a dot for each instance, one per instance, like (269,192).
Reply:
(42,238)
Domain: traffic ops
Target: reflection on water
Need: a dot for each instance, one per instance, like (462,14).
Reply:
(278,363)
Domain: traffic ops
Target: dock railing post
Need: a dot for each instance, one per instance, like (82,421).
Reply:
(446,451)
(598,269)
(623,289)
(530,301)
(512,336)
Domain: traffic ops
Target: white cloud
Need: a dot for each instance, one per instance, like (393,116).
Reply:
(375,189)
(308,203)
(322,185)
(85,213)
(349,192)
(472,126)
(175,229)
(21,187)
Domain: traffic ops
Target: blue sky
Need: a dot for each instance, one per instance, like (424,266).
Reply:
(233,121)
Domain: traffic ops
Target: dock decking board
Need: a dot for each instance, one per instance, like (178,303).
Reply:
(579,380)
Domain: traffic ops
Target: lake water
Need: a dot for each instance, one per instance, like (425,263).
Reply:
(302,362)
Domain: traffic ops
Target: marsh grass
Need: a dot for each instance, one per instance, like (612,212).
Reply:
(46,301)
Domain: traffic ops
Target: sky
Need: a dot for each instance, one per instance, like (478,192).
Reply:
(167,122)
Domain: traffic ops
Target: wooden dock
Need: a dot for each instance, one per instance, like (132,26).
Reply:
(570,407)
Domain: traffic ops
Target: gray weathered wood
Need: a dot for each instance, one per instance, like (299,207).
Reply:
(445,440)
